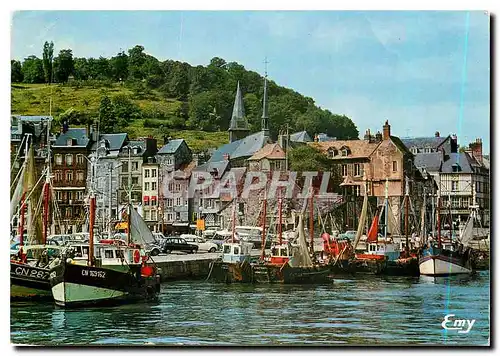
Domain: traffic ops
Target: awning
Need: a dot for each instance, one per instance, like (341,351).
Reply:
(181,224)
(146,198)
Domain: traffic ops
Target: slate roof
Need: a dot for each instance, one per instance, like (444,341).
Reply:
(423,142)
(245,147)
(301,136)
(238,121)
(430,161)
(400,144)
(171,147)
(115,141)
(269,151)
(33,118)
(133,144)
(220,167)
(79,134)
(464,161)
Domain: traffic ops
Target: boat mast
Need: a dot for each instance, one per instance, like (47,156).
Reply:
(91,228)
(46,187)
(386,208)
(439,218)
(407,197)
(233,228)
(280,217)
(129,195)
(424,209)
(311,221)
(262,255)
(23,198)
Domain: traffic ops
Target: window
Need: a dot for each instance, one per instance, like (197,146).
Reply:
(169,217)
(79,195)
(153,214)
(236,250)
(169,202)
(58,159)
(70,196)
(465,202)
(69,160)
(135,166)
(455,202)
(124,167)
(153,185)
(357,190)
(394,166)
(146,202)
(357,170)
(79,159)
(58,176)
(146,173)
(146,215)
(69,176)
(178,201)
(153,173)
(226,249)
(59,195)
(135,180)
(146,186)
(169,160)
(67,213)
(344,170)
(177,187)
(345,152)
(108,253)
(69,142)
(79,176)
(153,202)
(454,186)
(478,187)
(124,182)
(171,187)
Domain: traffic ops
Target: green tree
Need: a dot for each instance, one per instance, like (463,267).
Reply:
(48,57)
(119,66)
(107,117)
(137,57)
(124,110)
(32,69)
(82,70)
(63,65)
(16,73)
(179,81)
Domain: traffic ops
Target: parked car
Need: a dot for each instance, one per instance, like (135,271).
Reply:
(203,245)
(65,239)
(14,248)
(178,244)
(151,248)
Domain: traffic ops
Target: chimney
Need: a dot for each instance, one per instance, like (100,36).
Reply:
(454,144)
(166,139)
(151,147)
(477,150)
(437,134)
(65,127)
(368,136)
(387,130)
(378,136)
(94,132)
(195,160)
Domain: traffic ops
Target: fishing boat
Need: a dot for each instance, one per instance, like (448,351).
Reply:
(451,258)
(291,264)
(111,273)
(234,264)
(29,269)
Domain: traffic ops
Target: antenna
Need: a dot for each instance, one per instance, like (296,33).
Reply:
(266,62)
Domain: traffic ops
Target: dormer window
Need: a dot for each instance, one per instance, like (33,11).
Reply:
(69,142)
(332,152)
(456,168)
(345,151)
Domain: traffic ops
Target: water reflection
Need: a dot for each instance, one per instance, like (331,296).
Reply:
(354,311)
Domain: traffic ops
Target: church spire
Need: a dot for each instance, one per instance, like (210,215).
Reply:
(238,128)
(265,115)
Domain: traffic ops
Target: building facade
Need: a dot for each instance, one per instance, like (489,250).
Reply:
(150,189)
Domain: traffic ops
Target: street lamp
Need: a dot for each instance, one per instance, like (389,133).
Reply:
(200,209)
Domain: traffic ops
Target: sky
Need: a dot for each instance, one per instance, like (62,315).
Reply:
(423,71)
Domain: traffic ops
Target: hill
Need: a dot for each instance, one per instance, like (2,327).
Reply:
(141,95)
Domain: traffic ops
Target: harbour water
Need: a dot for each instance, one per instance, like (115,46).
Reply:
(352,311)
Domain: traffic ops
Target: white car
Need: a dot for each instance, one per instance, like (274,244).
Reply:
(203,245)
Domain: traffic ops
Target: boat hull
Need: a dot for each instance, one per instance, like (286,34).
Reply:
(438,265)
(368,265)
(236,272)
(269,273)
(29,282)
(76,285)
(403,267)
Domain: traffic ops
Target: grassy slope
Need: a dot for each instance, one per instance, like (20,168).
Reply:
(33,99)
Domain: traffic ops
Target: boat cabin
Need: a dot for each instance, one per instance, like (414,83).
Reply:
(107,254)
(234,252)
(389,250)
(280,254)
